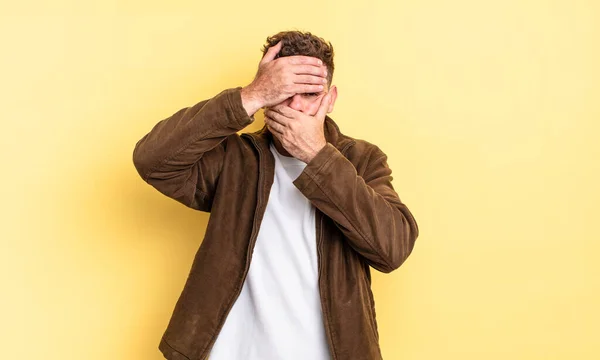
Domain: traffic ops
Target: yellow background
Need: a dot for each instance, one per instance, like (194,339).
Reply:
(488,111)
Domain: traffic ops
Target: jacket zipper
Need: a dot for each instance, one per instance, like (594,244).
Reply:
(250,246)
(319,256)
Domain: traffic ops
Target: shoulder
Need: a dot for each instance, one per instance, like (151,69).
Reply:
(363,153)
(365,150)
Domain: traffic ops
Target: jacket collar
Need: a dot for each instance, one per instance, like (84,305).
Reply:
(332,131)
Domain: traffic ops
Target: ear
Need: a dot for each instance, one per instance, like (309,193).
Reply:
(333,91)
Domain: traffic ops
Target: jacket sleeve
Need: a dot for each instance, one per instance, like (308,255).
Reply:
(182,155)
(365,208)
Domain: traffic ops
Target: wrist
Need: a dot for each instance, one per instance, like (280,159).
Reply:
(314,152)
(250,100)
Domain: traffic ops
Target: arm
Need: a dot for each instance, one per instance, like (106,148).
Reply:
(182,156)
(366,209)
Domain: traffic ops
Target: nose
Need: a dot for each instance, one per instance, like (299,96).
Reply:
(297,103)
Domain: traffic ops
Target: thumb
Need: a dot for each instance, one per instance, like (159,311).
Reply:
(325,101)
(271,53)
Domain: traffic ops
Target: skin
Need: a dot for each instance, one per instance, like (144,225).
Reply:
(295,94)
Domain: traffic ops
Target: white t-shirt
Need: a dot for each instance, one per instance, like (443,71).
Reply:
(278,314)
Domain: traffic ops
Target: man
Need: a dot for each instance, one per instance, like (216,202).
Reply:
(299,214)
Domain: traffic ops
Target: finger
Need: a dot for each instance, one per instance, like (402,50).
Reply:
(284,110)
(271,53)
(325,101)
(274,126)
(306,88)
(310,70)
(277,117)
(309,79)
(301,59)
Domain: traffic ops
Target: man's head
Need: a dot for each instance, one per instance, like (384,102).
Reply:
(307,44)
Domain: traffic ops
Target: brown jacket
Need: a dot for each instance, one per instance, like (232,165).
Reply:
(196,157)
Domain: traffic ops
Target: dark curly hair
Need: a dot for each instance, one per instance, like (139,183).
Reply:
(303,43)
